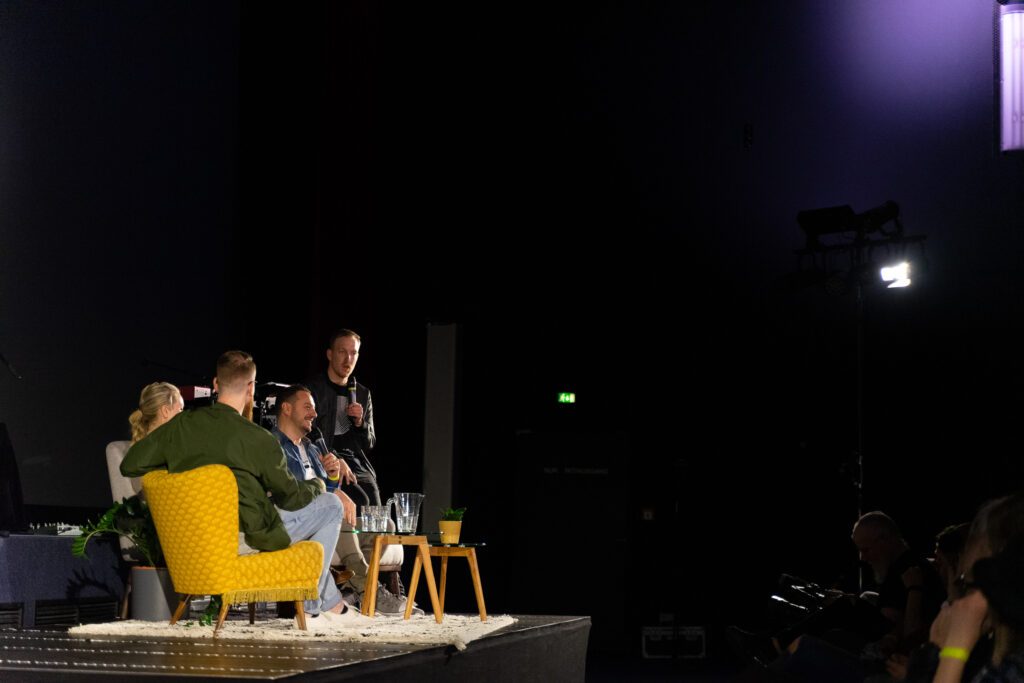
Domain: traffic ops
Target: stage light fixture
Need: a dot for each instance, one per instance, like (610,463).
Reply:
(846,227)
(843,250)
(897,275)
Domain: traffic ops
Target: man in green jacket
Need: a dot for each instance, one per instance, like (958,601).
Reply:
(294,510)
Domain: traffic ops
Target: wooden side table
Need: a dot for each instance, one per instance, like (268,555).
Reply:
(422,556)
(444,551)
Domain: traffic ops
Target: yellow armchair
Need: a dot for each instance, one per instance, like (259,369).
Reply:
(196,517)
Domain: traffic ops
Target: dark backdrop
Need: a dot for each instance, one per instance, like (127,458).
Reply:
(602,195)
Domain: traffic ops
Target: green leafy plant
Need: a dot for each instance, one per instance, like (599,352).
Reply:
(129,518)
(212,611)
(452,514)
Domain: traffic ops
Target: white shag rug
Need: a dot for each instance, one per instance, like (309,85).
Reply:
(456,629)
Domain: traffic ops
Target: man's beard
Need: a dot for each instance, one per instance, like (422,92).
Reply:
(247,410)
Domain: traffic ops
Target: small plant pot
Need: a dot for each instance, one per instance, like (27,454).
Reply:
(153,595)
(450,531)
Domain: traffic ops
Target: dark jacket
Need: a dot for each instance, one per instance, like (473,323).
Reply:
(357,441)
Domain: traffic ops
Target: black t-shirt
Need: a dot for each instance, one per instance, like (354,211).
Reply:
(347,444)
(893,594)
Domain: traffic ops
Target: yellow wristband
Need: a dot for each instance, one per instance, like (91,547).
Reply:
(329,477)
(954,653)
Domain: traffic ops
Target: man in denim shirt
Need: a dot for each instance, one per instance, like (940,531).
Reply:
(307,460)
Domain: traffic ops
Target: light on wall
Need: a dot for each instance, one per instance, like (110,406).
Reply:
(1011,74)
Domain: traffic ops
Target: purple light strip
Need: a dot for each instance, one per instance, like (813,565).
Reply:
(1011,76)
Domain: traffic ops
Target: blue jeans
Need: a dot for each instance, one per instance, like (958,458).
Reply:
(319,521)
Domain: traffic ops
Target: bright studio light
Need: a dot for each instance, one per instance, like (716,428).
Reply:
(897,275)
(1011,74)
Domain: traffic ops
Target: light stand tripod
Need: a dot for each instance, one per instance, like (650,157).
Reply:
(845,257)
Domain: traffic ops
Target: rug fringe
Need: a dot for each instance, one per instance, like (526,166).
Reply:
(271,595)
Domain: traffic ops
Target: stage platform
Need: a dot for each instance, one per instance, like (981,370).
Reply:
(536,648)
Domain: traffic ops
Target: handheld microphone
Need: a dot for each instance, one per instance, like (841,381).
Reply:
(352,390)
(318,440)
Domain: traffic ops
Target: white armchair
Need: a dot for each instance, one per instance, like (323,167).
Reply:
(121,487)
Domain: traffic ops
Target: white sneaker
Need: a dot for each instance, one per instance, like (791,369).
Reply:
(351,617)
(389,603)
(329,621)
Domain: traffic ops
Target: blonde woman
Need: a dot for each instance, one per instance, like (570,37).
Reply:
(158,403)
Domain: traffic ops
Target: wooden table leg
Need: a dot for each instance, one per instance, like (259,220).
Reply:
(475,571)
(428,571)
(370,590)
(444,578)
(413,583)
(127,593)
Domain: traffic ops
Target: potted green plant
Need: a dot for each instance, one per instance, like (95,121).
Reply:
(129,519)
(152,593)
(451,524)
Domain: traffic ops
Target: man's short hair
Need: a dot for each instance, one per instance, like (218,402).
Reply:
(235,369)
(343,332)
(880,523)
(287,395)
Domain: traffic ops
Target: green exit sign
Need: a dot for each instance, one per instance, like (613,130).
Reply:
(566,397)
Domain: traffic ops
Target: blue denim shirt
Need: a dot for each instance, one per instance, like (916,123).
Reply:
(294,459)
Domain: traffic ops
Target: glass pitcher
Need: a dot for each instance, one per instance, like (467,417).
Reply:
(407,511)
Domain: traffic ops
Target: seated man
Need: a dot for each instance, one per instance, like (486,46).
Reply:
(851,638)
(295,414)
(295,511)
(910,591)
